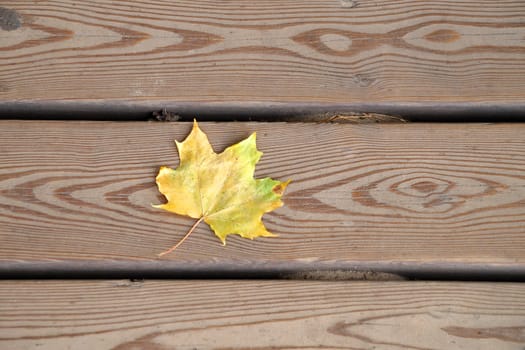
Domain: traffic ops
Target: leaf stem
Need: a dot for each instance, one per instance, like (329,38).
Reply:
(183,238)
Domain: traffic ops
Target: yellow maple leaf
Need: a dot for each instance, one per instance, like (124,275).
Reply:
(219,189)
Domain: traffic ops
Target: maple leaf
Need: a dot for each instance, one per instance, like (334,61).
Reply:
(219,189)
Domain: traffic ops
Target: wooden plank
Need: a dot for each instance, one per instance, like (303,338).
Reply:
(324,51)
(260,315)
(410,196)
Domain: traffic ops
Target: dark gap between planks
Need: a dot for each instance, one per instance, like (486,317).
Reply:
(295,271)
(298,112)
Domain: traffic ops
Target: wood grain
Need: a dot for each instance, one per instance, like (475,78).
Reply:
(123,315)
(409,194)
(323,51)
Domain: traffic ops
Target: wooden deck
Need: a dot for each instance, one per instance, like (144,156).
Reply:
(383,201)
(154,315)
(411,57)
(393,235)
(391,197)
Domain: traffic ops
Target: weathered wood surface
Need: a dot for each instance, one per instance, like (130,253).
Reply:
(323,51)
(451,195)
(166,315)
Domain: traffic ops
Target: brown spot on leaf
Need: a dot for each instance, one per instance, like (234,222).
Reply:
(278,189)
